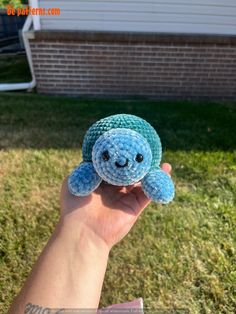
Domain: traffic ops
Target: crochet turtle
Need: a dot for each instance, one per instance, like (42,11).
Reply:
(121,150)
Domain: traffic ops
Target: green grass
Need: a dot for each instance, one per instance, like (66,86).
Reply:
(14,69)
(177,256)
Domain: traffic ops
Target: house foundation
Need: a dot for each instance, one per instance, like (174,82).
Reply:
(121,64)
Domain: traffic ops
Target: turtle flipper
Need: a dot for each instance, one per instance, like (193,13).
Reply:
(83,180)
(158,186)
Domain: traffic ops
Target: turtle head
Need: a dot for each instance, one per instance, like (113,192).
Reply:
(121,156)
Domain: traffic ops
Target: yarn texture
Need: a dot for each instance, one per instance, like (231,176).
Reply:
(122,121)
(121,150)
(123,146)
(83,179)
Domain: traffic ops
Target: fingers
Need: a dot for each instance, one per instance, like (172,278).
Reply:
(64,188)
(141,198)
(66,197)
(167,168)
(64,192)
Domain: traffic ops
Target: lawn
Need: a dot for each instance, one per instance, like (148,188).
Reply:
(177,256)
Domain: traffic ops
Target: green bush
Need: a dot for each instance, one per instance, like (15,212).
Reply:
(14,3)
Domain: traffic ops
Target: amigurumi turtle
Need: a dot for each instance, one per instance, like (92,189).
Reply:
(121,150)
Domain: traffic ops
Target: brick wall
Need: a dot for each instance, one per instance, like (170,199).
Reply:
(129,64)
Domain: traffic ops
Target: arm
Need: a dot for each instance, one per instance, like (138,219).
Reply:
(70,271)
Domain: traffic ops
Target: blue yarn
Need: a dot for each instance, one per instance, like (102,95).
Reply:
(83,180)
(122,150)
(122,147)
(158,186)
(122,121)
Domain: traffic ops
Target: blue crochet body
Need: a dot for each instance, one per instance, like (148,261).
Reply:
(122,150)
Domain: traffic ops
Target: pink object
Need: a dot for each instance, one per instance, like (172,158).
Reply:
(135,307)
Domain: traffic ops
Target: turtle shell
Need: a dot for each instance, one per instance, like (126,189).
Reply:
(126,121)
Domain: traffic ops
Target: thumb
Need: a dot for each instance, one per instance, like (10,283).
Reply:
(167,168)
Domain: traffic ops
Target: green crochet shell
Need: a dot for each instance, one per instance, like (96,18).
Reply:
(126,121)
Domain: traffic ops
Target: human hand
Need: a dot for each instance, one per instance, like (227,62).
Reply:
(108,213)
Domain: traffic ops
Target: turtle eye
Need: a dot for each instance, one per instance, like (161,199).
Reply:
(105,155)
(139,158)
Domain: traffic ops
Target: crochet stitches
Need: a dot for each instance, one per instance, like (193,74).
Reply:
(121,165)
(122,121)
(122,150)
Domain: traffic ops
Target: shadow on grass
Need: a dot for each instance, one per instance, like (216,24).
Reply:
(14,69)
(34,121)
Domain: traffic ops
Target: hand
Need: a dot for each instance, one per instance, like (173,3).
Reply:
(109,212)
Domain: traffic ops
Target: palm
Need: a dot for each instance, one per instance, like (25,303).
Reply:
(110,211)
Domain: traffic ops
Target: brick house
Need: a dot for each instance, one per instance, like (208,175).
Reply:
(176,49)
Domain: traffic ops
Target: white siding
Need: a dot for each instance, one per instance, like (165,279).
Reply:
(171,16)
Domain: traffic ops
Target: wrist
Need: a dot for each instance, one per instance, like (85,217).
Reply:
(81,237)
(87,257)
(72,266)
